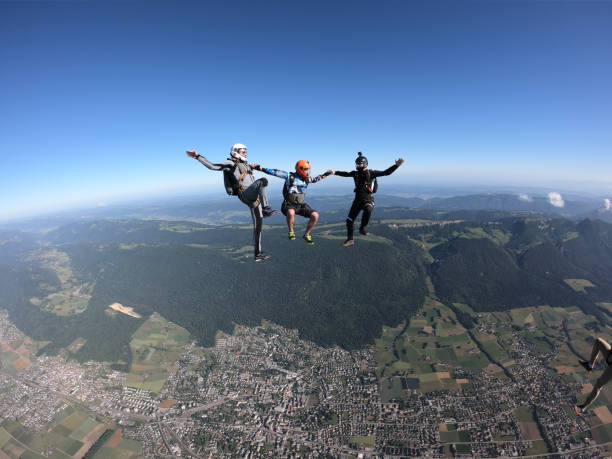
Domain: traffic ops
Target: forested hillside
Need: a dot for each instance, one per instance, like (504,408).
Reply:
(203,278)
(519,262)
(195,276)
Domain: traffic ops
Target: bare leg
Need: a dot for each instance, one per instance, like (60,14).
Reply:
(312,222)
(290,218)
(599,346)
(602,381)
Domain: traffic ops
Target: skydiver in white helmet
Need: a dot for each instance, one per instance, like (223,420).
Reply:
(239,181)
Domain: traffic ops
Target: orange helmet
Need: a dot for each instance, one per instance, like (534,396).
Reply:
(302,167)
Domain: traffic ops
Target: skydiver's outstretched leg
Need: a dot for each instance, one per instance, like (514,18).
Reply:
(365,217)
(257,190)
(605,377)
(599,347)
(353,212)
(257,216)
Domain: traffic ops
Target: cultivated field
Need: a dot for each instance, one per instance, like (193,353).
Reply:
(72,296)
(72,434)
(156,346)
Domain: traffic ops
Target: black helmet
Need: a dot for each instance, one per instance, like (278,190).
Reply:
(361,162)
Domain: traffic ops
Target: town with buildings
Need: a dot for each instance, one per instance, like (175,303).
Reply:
(264,392)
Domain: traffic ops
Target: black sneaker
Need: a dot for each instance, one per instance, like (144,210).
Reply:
(348,243)
(363,231)
(261,256)
(268,211)
(586,365)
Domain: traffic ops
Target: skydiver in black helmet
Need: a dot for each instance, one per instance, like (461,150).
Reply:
(365,187)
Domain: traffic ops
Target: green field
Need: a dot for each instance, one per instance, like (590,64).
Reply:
(434,336)
(62,439)
(155,346)
(521,316)
(4,437)
(130,445)
(606,307)
(72,297)
(391,389)
(537,447)
(363,440)
(125,449)
(401,366)
(495,351)
(455,436)
(86,427)
(551,315)
(524,414)
(74,421)
(579,285)
(602,434)
(473,363)
(6,362)
(114,453)
(465,308)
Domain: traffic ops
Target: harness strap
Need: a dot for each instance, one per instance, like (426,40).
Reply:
(287,187)
(243,172)
(240,188)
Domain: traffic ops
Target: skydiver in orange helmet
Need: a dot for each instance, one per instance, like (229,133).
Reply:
(294,193)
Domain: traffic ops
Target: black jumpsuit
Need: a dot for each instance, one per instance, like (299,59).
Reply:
(364,198)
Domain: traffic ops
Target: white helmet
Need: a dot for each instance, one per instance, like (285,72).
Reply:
(239,151)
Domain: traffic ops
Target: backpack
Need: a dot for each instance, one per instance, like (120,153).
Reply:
(230,181)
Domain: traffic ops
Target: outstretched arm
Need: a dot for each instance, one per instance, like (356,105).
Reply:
(388,171)
(327,173)
(274,172)
(344,174)
(212,166)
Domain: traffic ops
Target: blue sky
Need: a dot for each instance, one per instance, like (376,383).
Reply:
(99,100)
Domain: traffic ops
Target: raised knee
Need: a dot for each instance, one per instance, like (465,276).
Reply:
(264,181)
(315,216)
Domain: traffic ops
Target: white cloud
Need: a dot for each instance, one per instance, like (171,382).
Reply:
(101,204)
(608,204)
(524,197)
(556,199)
